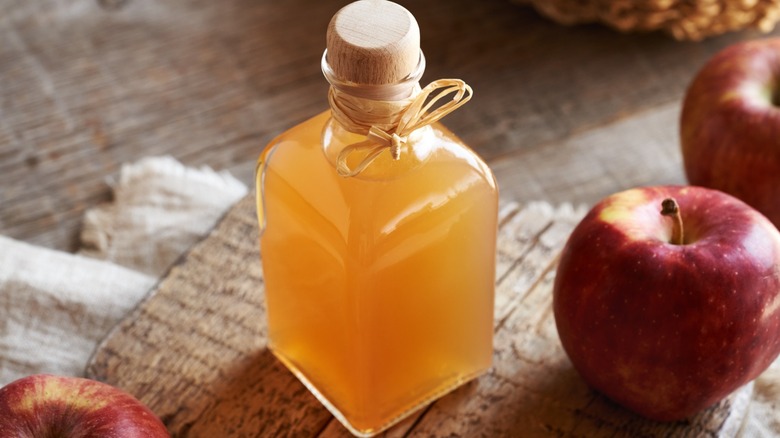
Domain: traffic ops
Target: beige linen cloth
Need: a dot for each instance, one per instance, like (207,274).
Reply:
(55,307)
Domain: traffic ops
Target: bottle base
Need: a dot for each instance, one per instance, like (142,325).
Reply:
(370,432)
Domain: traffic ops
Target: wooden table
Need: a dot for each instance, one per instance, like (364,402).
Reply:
(196,352)
(562,114)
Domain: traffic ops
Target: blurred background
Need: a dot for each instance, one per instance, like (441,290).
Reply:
(561,113)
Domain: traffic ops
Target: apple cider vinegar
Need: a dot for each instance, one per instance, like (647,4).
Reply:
(378,248)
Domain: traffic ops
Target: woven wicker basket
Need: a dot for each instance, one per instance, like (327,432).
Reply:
(683,19)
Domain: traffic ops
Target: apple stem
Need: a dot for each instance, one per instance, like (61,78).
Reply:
(669,207)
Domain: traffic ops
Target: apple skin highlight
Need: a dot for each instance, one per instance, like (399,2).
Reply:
(42,406)
(730,125)
(668,330)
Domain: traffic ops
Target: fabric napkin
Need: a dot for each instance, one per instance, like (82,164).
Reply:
(55,307)
(160,209)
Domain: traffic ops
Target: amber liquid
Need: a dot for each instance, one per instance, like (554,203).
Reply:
(379,287)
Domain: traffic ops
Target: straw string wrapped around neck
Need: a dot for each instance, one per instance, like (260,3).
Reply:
(387,124)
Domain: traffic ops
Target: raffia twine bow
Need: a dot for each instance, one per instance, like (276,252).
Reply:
(388,124)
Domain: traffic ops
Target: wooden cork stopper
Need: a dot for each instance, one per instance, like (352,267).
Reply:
(373,42)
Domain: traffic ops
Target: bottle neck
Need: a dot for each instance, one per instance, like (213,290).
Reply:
(388,124)
(358,107)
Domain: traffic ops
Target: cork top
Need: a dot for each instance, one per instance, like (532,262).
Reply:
(373,42)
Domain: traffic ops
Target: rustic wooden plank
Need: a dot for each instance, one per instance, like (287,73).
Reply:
(86,85)
(82,85)
(213,374)
(635,151)
(195,351)
(533,389)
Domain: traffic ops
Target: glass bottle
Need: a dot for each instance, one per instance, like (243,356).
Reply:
(379,285)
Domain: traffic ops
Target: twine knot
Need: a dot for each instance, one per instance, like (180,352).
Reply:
(392,141)
(388,124)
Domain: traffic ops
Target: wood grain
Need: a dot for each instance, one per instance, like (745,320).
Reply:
(86,85)
(195,351)
(373,43)
(640,150)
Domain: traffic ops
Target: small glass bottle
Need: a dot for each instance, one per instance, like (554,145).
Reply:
(378,242)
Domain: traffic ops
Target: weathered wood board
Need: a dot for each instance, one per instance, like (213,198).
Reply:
(86,85)
(195,352)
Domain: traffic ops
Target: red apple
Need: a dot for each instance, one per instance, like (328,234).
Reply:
(667,325)
(43,406)
(730,125)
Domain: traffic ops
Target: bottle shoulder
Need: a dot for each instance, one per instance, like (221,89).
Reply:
(458,150)
(447,174)
(308,132)
(433,146)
